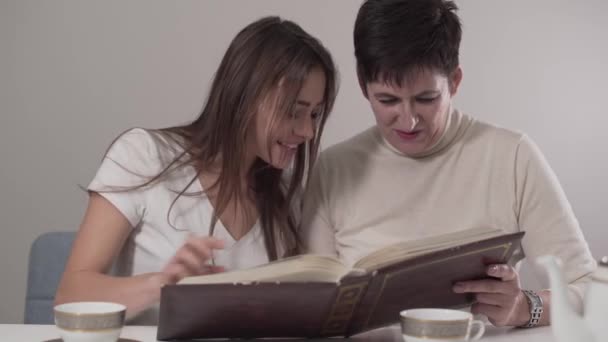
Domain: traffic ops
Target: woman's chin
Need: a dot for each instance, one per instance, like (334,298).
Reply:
(409,148)
(281,165)
(277,163)
(282,159)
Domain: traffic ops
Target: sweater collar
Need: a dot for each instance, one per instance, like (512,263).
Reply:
(455,122)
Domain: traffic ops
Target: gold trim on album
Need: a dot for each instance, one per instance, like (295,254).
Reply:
(505,246)
(336,321)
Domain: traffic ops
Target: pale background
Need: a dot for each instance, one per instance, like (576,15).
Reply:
(73,74)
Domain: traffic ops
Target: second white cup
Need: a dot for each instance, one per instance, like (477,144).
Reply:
(435,325)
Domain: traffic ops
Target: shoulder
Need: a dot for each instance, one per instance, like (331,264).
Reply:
(352,149)
(505,145)
(149,142)
(494,135)
(144,151)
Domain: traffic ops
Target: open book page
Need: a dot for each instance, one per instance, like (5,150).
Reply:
(301,268)
(409,249)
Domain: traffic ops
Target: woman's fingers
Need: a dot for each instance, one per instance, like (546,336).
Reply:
(203,246)
(500,298)
(191,261)
(497,299)
(483,286)
(503,271)
(192,258)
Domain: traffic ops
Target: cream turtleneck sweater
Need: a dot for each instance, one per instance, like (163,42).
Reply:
(365,195)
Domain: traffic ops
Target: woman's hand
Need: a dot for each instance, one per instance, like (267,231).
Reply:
(501,300)
(192,259)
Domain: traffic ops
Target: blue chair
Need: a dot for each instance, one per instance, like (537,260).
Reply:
(48,256)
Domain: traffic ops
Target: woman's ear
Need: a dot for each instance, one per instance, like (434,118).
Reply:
(455,79)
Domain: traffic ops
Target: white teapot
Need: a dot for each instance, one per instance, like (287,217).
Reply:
(568,325)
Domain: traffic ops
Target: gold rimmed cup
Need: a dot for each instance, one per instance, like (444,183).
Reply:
(90,321)
(435,325)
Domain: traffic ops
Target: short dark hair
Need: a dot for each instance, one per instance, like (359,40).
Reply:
(395,37)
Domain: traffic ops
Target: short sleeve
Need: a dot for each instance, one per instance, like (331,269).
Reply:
(130,162)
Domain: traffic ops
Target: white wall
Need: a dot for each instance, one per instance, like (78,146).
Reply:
(74,73)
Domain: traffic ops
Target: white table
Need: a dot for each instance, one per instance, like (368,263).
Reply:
(43,333)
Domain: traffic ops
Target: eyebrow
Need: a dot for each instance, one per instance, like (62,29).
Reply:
(381,94)
(429,92)
(303,103)
(307,104)
(424,93)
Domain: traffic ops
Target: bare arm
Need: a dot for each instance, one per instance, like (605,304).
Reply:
(316,231)
(100,238)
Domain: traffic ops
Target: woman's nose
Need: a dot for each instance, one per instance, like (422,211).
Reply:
(408,118)
(304,127)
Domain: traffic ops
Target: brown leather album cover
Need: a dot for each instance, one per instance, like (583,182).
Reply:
(322,309)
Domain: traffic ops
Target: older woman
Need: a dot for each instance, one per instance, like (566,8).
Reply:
(427,169)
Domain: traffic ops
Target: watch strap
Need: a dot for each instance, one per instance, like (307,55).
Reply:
(536,308)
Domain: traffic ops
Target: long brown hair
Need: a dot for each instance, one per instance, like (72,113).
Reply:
(265,53)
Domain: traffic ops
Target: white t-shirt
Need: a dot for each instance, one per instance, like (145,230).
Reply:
(132,160)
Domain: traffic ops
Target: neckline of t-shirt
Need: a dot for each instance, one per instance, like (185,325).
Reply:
(229,239)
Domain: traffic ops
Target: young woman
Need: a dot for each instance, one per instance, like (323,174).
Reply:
(211,195)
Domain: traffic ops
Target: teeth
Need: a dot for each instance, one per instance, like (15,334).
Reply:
(291,146)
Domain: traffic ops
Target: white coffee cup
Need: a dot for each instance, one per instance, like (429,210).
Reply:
(90,321)
(435,325)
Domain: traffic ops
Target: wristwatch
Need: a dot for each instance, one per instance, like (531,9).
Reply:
(536,308)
